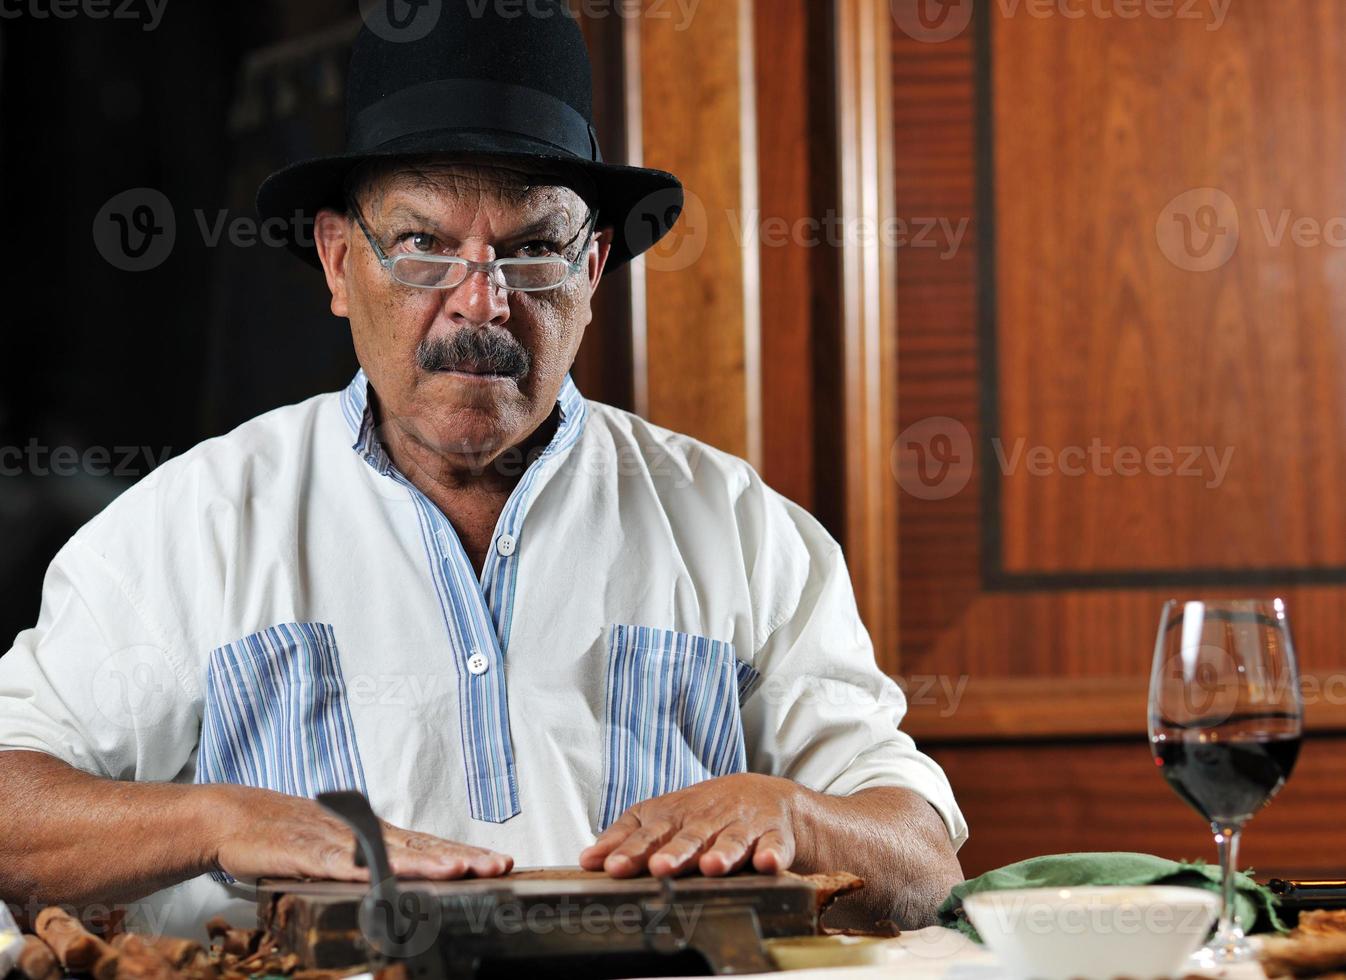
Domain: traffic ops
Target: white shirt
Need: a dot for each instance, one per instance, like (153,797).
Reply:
(280,607)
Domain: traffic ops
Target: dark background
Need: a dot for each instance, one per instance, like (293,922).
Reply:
(200,108)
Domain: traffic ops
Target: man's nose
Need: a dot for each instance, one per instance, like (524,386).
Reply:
(478,301)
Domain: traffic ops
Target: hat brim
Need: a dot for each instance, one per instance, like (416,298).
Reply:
(638,204)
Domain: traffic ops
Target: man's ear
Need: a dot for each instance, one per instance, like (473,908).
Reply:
(598,256)
(331,233)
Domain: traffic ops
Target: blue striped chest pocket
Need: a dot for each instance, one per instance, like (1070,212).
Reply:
(673,714)
(276,714)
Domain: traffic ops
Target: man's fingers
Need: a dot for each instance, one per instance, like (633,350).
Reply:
(336,860)
(630,857)
(489,864)
(426,856)
(593,856)
(412,865)
(731,849)
(682,850)
(774,853)
(450,864)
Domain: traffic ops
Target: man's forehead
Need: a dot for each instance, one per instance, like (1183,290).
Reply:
(455,184)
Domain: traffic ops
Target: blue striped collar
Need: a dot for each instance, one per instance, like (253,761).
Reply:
(360,419)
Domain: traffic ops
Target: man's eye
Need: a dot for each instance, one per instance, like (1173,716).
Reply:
(538,250)
(419,241)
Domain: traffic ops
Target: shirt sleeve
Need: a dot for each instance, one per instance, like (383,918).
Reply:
(96,683)
(822,712)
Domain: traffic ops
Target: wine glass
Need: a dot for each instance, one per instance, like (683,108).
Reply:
(1226,718)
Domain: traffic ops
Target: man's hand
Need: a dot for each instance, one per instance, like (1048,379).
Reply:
(716,827)
(266,834)
(891,837)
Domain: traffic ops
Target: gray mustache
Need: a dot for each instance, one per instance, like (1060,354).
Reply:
(498,353)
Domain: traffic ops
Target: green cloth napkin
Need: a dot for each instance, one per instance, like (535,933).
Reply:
(1255,903)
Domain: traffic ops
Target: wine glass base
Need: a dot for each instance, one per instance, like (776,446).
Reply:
(1222,952)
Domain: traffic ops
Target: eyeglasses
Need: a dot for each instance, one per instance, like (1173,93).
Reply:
(526,275)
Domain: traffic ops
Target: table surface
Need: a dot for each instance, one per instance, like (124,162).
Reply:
(937,953)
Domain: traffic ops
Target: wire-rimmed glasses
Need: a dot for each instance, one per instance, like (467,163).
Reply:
(522,274)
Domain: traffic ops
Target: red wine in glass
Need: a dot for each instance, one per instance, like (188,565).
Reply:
(1228,779)
(1226,720)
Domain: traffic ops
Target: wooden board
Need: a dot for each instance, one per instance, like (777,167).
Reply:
(555,913)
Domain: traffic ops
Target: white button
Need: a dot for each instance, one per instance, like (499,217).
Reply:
(477,663)
(505,544)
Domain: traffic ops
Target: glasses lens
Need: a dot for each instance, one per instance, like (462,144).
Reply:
(535,275)
(426,273)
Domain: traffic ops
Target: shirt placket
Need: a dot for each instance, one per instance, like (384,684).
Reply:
(477,613)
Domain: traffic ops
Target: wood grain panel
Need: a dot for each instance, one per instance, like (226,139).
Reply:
(934,135)
(1103,633)
(1104,339)
(702,313)
(947,708)
(785,41)
(1023,800)
(1029,603)
(868,314)
(605,367)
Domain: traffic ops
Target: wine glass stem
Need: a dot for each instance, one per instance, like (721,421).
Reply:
(1229,934)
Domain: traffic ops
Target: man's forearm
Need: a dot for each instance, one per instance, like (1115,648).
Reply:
(75,838)
(893,839)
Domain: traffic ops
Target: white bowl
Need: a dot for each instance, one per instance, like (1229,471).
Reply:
(1094,933)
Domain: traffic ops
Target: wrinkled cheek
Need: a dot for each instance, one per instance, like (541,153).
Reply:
(559,320)
(397,321)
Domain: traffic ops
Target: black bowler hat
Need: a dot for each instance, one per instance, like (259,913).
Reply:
(476,77)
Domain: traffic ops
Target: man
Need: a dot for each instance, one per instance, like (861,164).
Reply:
(529,627)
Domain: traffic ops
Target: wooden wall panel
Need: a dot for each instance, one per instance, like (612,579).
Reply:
(702,314)
(939,542)
(1071,311)
(605,366)
(1100,124)
(1024,799)
(867,341)
(786,34)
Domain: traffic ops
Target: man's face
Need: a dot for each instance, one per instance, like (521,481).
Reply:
(470,371)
